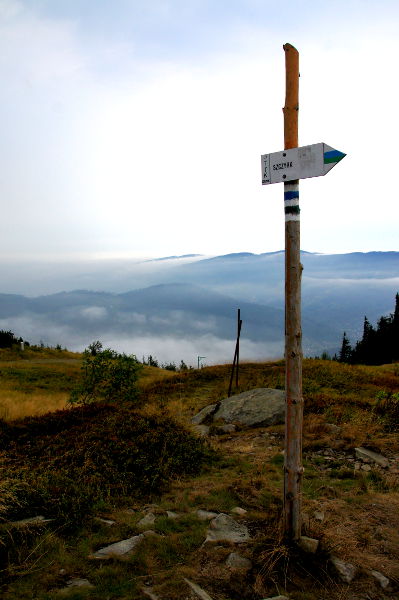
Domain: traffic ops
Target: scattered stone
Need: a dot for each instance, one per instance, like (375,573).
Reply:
(318,515)
(260,407)
(62,572)
(148,591)
(108,522)
(345,571)
(277,598)
(332,428)
(366,467)
(308,544)
(172,515)
(202,430)
(119,549)
(237,510)
(237,562)
(39,520)
(382,580)
(224,529)
(75,583)
(147,521)
(72,583)
(198,591)
(204,414)
(151,533)
(205,515)
(357,466)
(363,454)
(227,428)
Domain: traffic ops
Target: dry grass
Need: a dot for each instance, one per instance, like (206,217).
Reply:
(16,405)
(361,514)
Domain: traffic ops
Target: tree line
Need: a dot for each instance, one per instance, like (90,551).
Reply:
(379,345)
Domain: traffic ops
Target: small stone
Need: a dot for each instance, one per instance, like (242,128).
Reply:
(198,591)
(148,591)
(308,544)
(201,430)
(318,515)
(277,598)
(39,520)
(172,515)
(345,571)
(227,428)
(237,562)
(107,522)
(206,515)
(224,528)
(366,467)
(332,428)
(204,414)
(72,583)
(147,521)
(62,572)
(370,456)
(382,580)
(357,466)
(237,510)
(150,533)
(119,549)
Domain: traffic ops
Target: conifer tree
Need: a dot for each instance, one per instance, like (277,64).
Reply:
(345,354)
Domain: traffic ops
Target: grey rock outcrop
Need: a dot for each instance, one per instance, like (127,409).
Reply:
(260,407)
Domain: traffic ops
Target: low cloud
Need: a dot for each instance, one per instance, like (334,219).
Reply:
(214,350)
(94,312)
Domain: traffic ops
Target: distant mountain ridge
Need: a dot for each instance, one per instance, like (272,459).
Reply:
(182,299)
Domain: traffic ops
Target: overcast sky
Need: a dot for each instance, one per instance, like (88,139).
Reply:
(135,127)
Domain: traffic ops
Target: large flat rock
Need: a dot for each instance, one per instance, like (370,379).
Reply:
(260,407)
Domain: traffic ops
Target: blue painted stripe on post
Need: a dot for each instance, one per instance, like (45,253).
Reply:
(291,195)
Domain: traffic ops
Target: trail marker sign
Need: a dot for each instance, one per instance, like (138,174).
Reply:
(299,163)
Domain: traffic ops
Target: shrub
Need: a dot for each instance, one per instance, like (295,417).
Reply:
(80,456)
(387,407)
(106,375)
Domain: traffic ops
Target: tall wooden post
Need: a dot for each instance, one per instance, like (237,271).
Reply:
(293,335)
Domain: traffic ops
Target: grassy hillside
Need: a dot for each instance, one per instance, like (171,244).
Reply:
(78,465)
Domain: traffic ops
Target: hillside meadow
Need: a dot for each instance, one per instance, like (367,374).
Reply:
(84,467)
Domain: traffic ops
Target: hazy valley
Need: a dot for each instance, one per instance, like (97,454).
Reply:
(181,307)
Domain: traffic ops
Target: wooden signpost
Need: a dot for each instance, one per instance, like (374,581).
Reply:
(288,166)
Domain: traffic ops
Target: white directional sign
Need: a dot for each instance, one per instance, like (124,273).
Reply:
(299,163)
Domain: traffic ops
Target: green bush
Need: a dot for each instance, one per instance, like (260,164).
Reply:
(106,375)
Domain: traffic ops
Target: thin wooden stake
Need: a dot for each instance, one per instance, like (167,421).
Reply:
(293,335)
(236,355)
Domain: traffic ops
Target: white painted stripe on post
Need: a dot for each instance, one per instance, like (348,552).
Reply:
(292,218)
(294,202)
